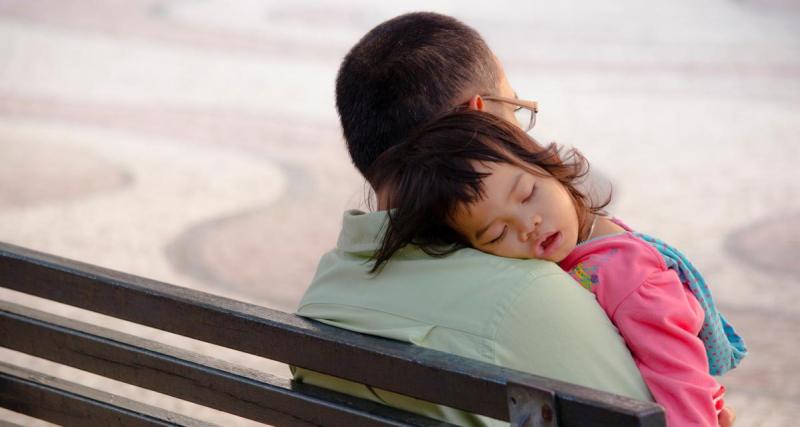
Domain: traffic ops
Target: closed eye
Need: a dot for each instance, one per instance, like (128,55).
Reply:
(500,237)
(530,195)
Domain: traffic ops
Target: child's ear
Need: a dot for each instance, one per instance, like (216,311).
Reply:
(476,103)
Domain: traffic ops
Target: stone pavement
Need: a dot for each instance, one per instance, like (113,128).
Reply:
(196,142)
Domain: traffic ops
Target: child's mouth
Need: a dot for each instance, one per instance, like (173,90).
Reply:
(546,246)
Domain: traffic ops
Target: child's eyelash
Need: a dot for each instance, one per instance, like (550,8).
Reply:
(530,196)
(505,228)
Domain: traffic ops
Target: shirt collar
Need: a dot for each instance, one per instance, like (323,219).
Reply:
(361,231)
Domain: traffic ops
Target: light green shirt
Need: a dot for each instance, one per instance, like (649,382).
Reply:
(522,314)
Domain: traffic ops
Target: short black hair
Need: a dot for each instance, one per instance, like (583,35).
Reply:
(402,74)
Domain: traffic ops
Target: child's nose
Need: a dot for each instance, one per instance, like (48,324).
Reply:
(529,228)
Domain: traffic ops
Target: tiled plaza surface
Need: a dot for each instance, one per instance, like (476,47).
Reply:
(196,142)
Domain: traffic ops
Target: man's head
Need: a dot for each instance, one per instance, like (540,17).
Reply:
(407,71)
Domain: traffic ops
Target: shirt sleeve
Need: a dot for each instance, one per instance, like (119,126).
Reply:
(660,322)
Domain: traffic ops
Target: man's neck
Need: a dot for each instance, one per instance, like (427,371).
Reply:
(380,196)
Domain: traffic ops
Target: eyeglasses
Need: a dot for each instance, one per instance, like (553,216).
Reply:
(525,111)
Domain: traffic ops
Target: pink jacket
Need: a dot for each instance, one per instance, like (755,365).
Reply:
(659,319)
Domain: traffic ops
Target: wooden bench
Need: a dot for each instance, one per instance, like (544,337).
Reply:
(523,399)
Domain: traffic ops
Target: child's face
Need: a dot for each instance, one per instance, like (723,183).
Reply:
(521,216)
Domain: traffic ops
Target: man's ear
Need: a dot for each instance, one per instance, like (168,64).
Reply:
(476,103)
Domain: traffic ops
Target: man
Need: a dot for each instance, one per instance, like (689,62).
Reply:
(522,314)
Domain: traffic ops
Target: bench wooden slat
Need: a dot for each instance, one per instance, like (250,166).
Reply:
(190,376)
(69,404)
(429,375)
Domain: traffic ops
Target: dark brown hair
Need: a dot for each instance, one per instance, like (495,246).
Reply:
(405,72)
(427,178)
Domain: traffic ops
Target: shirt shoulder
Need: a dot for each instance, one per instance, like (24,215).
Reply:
(613,267)
(466,291)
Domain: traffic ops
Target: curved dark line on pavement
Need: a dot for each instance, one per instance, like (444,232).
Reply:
(183,252)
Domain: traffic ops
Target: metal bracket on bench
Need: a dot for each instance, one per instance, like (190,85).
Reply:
(531,407)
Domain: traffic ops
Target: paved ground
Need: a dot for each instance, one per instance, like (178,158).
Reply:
(196,142)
